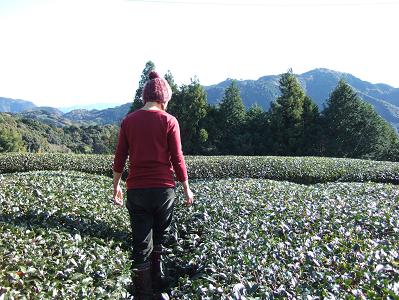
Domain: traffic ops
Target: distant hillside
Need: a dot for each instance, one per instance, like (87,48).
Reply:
(48,109)
(318,84)
(46,115)
(55,117)
(14,105)
(32,135)
(101,117)
(98,106)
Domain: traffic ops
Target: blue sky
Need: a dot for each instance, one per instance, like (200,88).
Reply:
(63,53)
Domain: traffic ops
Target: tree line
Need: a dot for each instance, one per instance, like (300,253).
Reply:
(293,126)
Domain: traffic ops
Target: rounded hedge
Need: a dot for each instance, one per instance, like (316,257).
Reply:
(305,170)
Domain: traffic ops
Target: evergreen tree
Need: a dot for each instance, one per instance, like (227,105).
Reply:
(312,131)
(200,141)
(192,108)
(257,132)
(393,153)
(232,107)
(354,129)
(213,126)
(286,117)
(173,105)
(137,101)
(232,113)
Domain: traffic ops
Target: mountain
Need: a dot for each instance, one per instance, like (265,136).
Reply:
(55,117)
(105,116)
(318,84)
(98,106)
(45,109)
(47,115)
(14,105)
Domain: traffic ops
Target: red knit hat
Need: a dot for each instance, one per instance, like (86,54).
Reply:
(156,89)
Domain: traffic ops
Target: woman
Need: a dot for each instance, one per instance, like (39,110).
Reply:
(151,138)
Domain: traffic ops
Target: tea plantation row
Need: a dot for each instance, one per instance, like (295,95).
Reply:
(306,170)
(62,238)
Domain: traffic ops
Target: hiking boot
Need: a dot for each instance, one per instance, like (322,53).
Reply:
(156,269)
(142,282)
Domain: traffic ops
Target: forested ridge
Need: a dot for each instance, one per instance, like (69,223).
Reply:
(292,126)
(18,134)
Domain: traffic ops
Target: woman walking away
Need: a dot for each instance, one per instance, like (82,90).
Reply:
(151,138)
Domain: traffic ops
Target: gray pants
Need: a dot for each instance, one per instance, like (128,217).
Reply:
(151,212)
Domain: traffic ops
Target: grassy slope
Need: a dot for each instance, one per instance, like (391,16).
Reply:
(62,237)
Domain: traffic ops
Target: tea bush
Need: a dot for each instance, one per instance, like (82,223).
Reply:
(306,170)
(244,238)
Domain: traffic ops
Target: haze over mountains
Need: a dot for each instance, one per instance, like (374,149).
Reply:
(15,105)
(98,106)
(317,83)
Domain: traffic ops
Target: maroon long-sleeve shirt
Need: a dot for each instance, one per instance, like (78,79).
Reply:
(151,139)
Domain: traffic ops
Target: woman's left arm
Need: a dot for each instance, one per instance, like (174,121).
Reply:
(121,154)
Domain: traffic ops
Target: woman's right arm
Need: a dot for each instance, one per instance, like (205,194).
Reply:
(177,159)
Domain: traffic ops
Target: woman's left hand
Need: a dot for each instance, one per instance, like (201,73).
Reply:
(118,196)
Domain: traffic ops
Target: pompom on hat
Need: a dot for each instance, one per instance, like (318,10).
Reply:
(156,89)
